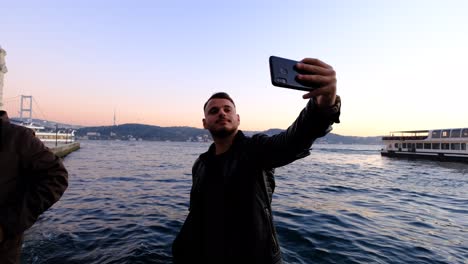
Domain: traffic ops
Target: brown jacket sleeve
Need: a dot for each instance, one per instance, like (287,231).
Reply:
(42,179)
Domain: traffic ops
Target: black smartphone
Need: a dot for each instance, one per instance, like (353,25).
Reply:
(283,74)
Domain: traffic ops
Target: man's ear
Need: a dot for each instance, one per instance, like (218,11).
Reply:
(238,118)
(204,123)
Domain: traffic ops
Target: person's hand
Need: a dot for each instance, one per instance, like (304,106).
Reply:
(320,75)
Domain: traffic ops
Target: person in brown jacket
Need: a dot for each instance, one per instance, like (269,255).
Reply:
(32,179)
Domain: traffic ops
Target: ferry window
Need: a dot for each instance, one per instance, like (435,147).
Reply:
(396,145)
(455,133)
(404,145)
(445,146)
(463,146)
(455,146)
(435,145)
(419,145)
(436,134)
(427,145)
(445,133)
(465,133)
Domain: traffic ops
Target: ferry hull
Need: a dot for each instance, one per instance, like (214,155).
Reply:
(428,156)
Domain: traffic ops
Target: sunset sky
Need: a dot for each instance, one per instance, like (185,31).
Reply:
(401,65)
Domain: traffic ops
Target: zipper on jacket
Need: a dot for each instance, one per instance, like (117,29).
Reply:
(1,137)
(272,230)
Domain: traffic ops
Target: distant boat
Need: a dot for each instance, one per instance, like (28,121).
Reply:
(51,135)
(440,144)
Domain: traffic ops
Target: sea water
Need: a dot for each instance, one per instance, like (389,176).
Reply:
(126,202)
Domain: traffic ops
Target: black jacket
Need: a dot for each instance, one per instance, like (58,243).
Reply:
(248,171)
(32,179)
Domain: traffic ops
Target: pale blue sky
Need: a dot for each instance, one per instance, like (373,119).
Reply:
(400,64)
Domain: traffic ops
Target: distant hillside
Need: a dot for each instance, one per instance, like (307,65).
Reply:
(332,138)
(338,139)
(145,132)
(157,133)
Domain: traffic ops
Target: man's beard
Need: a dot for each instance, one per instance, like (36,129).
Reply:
(222,133)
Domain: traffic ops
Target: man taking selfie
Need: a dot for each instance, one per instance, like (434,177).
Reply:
(230,218)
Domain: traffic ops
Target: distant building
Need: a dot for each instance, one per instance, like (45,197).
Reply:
(202,138)
(93,135)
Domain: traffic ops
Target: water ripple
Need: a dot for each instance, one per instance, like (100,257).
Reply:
(342,204)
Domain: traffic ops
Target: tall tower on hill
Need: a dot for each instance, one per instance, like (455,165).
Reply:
(3,70)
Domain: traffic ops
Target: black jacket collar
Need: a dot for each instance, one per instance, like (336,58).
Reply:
(237,139)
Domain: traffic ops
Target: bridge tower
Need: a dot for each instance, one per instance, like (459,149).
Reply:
(26,107)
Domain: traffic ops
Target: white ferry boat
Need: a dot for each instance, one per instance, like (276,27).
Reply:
(63,139)
(59,136)
(441,145)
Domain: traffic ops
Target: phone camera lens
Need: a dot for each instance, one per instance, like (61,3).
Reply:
(281,80)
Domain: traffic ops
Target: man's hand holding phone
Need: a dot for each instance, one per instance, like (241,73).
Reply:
(317,73)
(312,75)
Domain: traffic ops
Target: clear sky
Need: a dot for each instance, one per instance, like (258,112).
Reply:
(400,65)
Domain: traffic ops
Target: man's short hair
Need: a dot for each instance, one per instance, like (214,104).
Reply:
(219,95)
